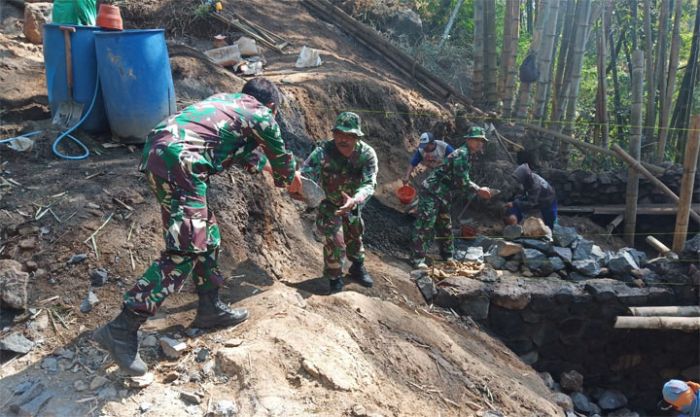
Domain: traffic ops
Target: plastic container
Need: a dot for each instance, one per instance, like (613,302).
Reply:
(406,194)
(84,72)
(137,83)
(226,56)
(109,17)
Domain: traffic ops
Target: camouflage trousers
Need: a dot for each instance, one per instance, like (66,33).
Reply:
(342,236)
(192,242)
(432,217)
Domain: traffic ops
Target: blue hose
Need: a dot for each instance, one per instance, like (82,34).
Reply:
(67,133)
(26,135)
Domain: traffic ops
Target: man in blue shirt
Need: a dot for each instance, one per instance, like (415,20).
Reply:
(430,152)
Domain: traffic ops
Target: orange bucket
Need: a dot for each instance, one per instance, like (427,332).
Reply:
(109,17)
(406,194)
(468,231)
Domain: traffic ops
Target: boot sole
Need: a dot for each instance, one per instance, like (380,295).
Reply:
(103,338)
(199,325)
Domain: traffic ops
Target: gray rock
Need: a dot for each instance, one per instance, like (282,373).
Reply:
(540,245)
(512,231)
(587,267)
(145,406)
(571,381)
(16,342)
(13,285)
(89,302)
(107,393)
(23,387)
(537,262)
(474,254)
(98,277)
(557,263)
(80,385)
(512,266)
(466,295)
(639,257)
(563,401)
(427,288)
(406,23)
(172,348)
(581,403)
(564,236)
(612,400)
(64,353)
(599,255)
(76,259)
(583,249)
(190,397)
(510,296)
(149,341)
(507,249)
(547,379)
(225,408)
(193,332)
(576,277)
(530,358)
(98,382)
(535,227)
(623,412)
(622,263)
(202,355)
(564,253)
(50,364)
(492,258)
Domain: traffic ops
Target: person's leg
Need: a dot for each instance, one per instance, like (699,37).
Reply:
(424,228)
(443,228)
(330,227)
(353,228)
(549,214)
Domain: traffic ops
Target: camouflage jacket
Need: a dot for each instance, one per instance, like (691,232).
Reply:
(356,175)
(209,136)
(452,177)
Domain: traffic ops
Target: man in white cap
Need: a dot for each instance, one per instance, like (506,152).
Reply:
(430,152)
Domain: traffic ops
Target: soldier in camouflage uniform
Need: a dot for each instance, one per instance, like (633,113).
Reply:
(346,168)
(435,199)
(180,155)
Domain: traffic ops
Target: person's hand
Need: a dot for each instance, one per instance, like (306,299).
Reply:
(297,196)
(509,205)
(484,193)
(349,203)
(295,186)
(404,180)
(267,168)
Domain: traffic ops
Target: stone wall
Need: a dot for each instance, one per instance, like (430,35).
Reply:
(558,326)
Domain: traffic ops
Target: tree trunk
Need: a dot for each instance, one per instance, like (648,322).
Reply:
(545,58)
(478,53)
(617,99)
(602,108)
(490,69)
(582,22)
(448,28)
(511,33)
(661,57)
(689,167)
(670,86)
(681,113)
(650,111)
(634,147)
(566,40)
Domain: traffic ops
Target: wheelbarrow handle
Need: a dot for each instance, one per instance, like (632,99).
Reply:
(67,30)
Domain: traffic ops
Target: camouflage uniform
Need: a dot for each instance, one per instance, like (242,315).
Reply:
(180,155)
(356,176)
(435,203)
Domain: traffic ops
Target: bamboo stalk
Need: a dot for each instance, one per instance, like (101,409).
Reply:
(670,86)
(583,20)
(602,108)
(686,324)
(650,110)
(477,90)
(545,60)
(666,311)
(450,22)
(511,33)
(659,246)
(690,164)
(635,147)
(649,176)
(490,68)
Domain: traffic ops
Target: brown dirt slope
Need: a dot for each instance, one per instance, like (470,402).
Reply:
(302,353)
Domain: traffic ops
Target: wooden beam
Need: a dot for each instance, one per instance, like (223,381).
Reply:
(690,164)
(686,324)
(585,146)
(656,244)
(660,185)
(666,311)
(615,209)
(614,223)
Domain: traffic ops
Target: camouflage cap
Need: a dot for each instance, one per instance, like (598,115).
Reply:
(476,132)
(349,122)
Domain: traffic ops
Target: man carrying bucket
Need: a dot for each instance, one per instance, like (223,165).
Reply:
(435,199)
(346,168)
(180,155)
(431,153)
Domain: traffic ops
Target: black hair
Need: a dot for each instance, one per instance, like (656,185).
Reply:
(263,90)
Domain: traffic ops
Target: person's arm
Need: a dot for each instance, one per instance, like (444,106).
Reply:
(268,136)
(369,178)
(311,168)
(449,149)
(415,160)
(460,166)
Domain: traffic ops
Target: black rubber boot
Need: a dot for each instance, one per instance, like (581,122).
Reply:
(360,274)
(120,338)
(336,285)
(212,312)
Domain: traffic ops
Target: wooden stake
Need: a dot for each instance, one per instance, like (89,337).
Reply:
(635,147)
(686,324)
(649,176)
(656,244)
(690,164)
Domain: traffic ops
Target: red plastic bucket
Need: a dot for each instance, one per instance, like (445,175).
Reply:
(406,194)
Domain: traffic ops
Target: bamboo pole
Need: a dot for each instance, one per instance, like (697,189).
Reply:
(583,20)
(544,56)
(477,90)
(686,324)
(490,56)
(632,194)
(602,85)
(670,86)
(649,176)
(666,311)
(650,105)
(450,22)
(585,146)
(510,51)
(690,164)
(658,245)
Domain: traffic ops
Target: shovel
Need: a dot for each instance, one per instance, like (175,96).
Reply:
(69,111)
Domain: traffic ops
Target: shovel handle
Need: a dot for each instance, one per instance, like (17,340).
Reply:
(67,30)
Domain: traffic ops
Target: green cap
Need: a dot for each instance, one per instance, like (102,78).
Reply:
(476,132)
(349,122)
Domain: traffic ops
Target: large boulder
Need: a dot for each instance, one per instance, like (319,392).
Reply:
(466,295)
(564,236)
(13,285)
(35,16)
(511,296)
(571,381)
(535,227)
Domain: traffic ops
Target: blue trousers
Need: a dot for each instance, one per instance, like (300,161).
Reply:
(549,213)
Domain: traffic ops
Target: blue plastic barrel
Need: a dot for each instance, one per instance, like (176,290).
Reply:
(137,84)
(84,72)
